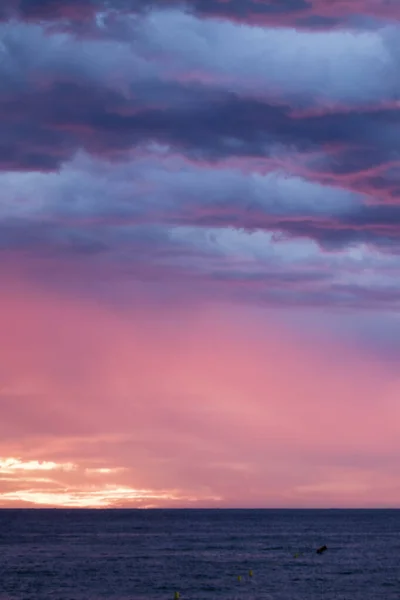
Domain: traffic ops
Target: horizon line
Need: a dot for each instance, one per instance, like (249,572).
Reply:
(227,508)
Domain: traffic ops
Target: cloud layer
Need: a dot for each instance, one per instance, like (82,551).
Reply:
(193,159)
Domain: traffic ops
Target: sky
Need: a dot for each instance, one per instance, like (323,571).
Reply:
(199,253)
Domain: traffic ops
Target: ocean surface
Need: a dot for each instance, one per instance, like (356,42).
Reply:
(150,554)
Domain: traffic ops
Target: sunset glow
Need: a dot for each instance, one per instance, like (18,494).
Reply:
(199,254)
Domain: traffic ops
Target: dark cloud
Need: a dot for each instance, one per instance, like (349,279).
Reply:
(161,148)
(33,146)
(347,231)
(50,9)
(244,9)
(301,13)
(46,127)
(78,9)
(375,225)
(105,212)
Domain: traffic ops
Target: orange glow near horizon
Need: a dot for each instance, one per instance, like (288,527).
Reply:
(203,407)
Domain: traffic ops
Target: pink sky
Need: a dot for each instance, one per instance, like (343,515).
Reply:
(188,407)
(200,253)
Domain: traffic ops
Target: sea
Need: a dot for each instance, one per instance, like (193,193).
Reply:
(199,554)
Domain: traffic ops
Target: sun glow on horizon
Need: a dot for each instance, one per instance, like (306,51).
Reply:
(13,465)
(106,497)
(79,493)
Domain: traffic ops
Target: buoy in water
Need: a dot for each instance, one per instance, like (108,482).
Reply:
(250,573)
(239,578)
(177,596)
(322,549)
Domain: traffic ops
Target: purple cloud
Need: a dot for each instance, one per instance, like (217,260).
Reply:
(171,144)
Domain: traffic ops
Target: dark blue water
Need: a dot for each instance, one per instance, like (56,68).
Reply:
(121,554)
